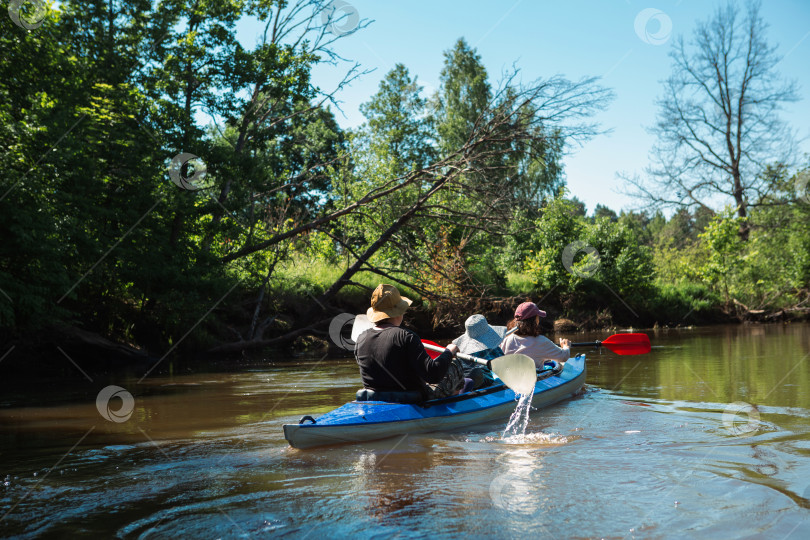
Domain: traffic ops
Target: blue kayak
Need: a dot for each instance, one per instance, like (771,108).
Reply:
(359,421)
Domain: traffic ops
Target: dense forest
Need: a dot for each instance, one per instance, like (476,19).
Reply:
(163,186)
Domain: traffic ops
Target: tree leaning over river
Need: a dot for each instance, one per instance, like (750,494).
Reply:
(475,189)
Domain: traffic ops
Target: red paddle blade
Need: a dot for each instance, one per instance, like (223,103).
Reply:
(628,344)
(432,354)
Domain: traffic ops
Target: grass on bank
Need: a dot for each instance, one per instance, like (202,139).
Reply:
(305,277)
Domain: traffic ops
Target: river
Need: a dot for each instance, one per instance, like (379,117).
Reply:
(708,436)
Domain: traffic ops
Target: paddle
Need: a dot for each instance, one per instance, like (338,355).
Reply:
(360,325)
(622,344)
(517,371)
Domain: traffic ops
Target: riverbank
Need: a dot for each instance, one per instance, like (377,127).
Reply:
(71,353)
(620,280)
(285,317)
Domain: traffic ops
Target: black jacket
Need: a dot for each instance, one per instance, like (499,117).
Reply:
(393,359)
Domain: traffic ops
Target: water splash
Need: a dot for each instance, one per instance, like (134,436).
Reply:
(516,428)
(533,439)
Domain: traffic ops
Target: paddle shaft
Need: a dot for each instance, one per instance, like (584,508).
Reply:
(587,344)
(462,355)
(459,354)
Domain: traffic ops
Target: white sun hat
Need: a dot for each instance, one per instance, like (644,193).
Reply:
(479,335)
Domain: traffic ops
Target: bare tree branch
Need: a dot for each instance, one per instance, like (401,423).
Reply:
(718,126)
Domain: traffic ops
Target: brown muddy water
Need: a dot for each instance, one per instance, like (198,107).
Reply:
(706,437)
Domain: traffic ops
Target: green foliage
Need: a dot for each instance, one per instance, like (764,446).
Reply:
(617,274)
(559,225)
(95,103)
(464,96)
(95,234)
(684,304)
(397,122)
(723,248)
(602,211)
(774,270)
(624,265)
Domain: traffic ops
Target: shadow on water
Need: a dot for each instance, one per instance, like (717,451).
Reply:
(708,436)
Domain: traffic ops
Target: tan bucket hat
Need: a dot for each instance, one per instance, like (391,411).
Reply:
(386,302)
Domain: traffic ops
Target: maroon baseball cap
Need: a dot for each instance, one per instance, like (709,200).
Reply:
(527,310)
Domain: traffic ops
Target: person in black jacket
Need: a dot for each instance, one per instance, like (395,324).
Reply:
(393,359)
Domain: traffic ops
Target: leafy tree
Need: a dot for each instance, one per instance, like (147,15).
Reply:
(625,267)
(559,226)
(463,98)
(397,120)
(616,275)
(724,250)
(33,258)
(395,140)
(88,155)
(701,218)
(639,224)
(578,207)
(602,211)
(776,269)
(678,232)
(86,203)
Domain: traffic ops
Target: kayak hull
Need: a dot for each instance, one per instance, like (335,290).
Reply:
(360,421)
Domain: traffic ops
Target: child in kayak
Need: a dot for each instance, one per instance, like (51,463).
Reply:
(393,359)
(482,341)
(527,339)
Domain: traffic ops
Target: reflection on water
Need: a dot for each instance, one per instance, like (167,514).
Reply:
(709,435)
(516,487)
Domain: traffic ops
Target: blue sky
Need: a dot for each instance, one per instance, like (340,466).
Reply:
(574,38)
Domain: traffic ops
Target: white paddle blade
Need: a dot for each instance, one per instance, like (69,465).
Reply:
(360,325)
(517,371)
